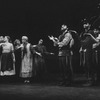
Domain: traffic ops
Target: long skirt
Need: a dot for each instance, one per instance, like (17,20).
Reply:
(39,66)
(26,67)
(7,66)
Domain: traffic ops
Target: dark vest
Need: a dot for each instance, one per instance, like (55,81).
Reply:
(88,41)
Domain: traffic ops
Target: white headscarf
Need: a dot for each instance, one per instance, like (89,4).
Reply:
(25,37)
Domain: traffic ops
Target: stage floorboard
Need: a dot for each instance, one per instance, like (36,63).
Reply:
(50,91)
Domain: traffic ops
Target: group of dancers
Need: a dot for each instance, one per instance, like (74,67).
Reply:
(25,60)
(22,59)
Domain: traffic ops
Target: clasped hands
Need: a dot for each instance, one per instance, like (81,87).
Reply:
(53,38)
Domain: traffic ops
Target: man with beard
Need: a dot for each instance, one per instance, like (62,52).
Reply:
(64,43)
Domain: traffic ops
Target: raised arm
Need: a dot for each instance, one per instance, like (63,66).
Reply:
(54,39)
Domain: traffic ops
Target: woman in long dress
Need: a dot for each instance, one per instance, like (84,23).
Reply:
(26,63)
(17,51)
(7,65)
(40,69)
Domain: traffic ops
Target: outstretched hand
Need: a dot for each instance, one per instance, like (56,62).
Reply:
(51,37)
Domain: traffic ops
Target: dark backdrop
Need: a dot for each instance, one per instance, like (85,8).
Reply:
(40,18)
